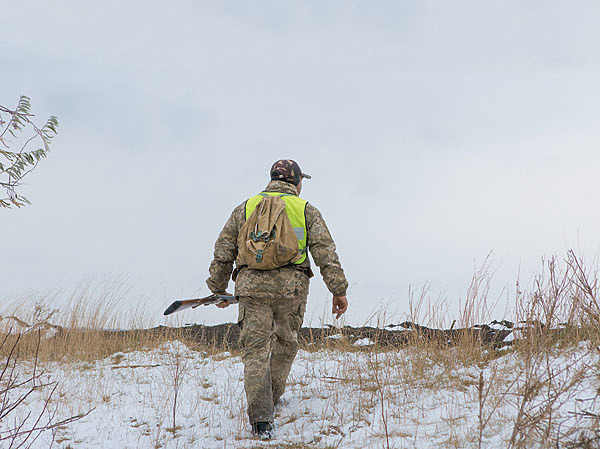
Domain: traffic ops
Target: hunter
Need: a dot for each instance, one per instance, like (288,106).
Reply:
(272,302)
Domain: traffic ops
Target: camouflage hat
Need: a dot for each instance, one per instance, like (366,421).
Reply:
(287,170)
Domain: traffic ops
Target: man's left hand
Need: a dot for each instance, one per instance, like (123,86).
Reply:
(340,305)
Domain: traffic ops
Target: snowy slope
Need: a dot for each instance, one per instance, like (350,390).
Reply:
(334,399)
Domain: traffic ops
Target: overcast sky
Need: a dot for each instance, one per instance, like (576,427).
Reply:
(436,132)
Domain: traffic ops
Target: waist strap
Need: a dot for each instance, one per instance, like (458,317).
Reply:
(305,270)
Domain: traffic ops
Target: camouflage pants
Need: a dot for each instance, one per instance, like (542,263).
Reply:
(269,342)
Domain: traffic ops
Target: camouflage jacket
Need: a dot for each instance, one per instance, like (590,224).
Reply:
(281,282)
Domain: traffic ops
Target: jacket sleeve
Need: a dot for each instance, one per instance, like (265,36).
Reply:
(225,252)
(322,248)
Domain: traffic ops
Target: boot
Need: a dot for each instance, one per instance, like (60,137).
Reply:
(263,430)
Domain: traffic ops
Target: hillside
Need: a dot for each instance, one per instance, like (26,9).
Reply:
(345,392)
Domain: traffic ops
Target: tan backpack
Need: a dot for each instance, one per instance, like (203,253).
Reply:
(267,240)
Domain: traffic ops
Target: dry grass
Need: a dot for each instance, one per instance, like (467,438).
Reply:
(552,317)
(85,327)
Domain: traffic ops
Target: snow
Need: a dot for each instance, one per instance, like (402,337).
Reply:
(364,342)
(336,337)
(334,399)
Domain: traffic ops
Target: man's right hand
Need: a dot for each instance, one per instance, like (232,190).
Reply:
(223,304)
(340,305)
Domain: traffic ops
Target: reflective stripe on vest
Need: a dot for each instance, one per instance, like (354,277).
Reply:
(294,207)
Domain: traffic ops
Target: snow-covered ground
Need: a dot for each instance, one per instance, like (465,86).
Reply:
(335,399)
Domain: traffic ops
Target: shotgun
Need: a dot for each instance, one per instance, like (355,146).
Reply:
(182,304)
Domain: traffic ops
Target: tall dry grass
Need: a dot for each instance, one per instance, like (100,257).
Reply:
(556,327)
(556,318)
(79,324)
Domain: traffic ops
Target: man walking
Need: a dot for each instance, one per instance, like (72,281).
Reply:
(272,302)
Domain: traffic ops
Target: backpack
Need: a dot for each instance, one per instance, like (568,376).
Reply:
(267,240)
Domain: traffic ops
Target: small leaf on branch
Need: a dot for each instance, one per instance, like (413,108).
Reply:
(20,162)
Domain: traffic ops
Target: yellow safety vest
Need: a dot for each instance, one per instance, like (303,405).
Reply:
(294,207)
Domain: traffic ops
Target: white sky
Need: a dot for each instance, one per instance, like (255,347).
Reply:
(436,132)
